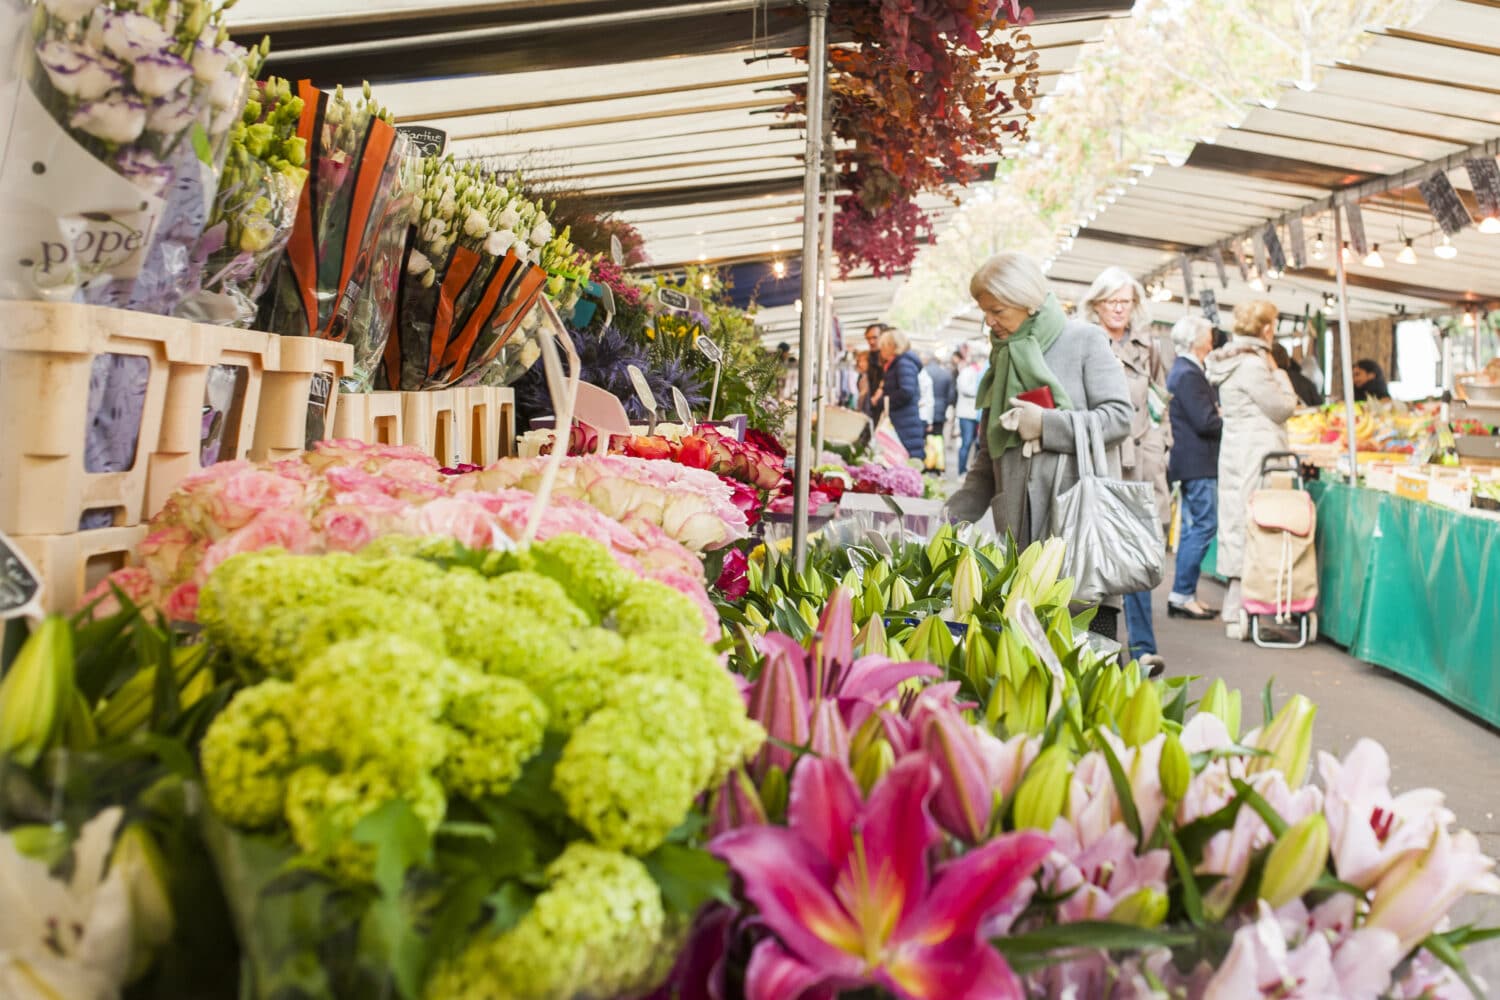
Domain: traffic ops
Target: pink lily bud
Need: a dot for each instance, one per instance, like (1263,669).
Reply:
(778,701)
(965,796)
(830,737)
(737,804)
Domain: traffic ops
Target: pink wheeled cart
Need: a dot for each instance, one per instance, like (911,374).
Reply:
(1280,581)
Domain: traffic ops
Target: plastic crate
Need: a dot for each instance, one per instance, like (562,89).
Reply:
(71,565)
(213,401)
(371,417)
(431,423)
(299,400)
(60,362)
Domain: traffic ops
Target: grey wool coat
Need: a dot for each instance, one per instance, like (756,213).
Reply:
(1020,490)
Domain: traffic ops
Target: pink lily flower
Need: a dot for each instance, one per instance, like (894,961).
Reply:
(823,693)
(975,769)
(847,891)
(1102,874)
(1369,828)
(1229,853)
(1319,966)
(1416,892)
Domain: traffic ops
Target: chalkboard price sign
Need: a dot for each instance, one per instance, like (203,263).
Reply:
(20,585)
(1218,257)
(425,139)
(1298,240)
(1210,306)
(1445,203)
(1274,249)
(709,350)
(1484,175)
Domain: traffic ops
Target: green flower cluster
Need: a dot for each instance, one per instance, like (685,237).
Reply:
(263,173)
(420,671)
(594,932)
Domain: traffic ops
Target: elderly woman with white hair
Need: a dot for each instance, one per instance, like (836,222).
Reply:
(1025,451)
(1196,428)
(1117,302)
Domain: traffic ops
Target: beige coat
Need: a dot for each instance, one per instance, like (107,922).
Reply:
(1256,399)
(1143,455)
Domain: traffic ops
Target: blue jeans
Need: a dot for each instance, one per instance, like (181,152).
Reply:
(1200,522)
(967,429)
(1138,623)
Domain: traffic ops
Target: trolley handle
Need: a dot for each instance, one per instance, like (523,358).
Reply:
(1282,461)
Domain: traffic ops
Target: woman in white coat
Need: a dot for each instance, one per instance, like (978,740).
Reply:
(1256,399)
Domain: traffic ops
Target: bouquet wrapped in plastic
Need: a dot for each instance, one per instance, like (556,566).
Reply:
(475,265)
(252,218)
(114,121)
(338,279)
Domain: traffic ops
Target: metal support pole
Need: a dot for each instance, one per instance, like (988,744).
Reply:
(825,311)
(817,79)
(1345,350)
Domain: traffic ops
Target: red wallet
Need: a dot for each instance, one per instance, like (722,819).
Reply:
(1041,397)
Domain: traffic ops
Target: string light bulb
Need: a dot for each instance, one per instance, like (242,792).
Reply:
(1490,225)
(1446,249)
(1344,252)
(1373,258)
(778,268)
(1255,283)
(1408,254)
(706,280)
(1318,248)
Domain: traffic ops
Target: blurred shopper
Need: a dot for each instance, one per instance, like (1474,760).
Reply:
(944,393)
(1194,462)
(1255,398)
(1117,302)
(874,372)
(965,409)
(1369,382)
(900,391)
(1307,393)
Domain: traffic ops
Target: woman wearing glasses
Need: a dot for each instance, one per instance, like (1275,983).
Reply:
(1117,302)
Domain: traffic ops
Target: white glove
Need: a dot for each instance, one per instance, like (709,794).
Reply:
(1028,419)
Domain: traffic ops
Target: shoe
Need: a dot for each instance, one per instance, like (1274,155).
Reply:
(1154,665)
(1183,611)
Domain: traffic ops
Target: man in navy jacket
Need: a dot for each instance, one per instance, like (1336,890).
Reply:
(1194,462)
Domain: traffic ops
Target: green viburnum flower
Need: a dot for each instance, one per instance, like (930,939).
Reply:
(629,773)
(524,647)
(593,933)
(393,572)
(323,809)
(247,755)
(245,596)
(689,661)
(526,593)
(575,677)
(471,617)
(497,726)
(349,613)
(654,608)
(591,575)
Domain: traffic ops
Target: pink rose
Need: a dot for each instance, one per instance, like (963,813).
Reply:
(170,554)
(182,604)
(347,528)
(134,582)
(352,479)
(371,500)
(462,520)
(285,529)
(252,492)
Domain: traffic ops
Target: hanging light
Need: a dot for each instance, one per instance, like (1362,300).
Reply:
(1255,283)
(1408,254)
(706,280)
(1446,249)
(1469,320)
(1373,258)
(1344,252)
(1318,249)
(1490,225)
(778,268)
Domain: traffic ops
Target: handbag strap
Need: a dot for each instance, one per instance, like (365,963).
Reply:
(1088,448)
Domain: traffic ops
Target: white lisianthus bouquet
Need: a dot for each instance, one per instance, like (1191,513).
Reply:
(121,116)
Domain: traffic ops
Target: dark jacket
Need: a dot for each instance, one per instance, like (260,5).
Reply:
(903,393)
(1307,393)
(1196,424)
(944,391)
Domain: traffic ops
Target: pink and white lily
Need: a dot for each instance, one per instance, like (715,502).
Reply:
(848,892)
(1369,828)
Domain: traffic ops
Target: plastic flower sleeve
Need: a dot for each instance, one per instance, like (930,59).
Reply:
(116,123)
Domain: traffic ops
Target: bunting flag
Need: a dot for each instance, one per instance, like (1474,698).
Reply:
(1298,240)
(1187,278)
(1218,258)
(1356,221)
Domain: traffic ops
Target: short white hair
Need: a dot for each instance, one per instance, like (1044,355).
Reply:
(1110,281)
(896,339)
(1013,278)
(1186,331)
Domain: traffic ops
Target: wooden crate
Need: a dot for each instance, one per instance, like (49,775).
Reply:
(71,565)
(47,356)
(371,417)
(430,422)
(299,400)
(179,451)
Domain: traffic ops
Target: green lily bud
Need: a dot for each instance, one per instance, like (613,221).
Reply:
(872,763)
(137,857)
(896,650)
(851,582)
(757,621)
(1141,720)
(47,844)
(1296,861)
(1043,794)
(1031,716)
(1175,770)
(968,584)
(808,612)
(900,594)
(37,691)
(871,640)
(1144,908)
(1003,698)
(979,657)
(932,640)
(773,793)
(1289,740)
(1104,700)
(1218,701)
(877,574)
(941,545)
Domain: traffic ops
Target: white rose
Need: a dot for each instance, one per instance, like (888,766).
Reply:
(510,218)
(69,10)
(418,264)
(530,353)
(160,74)
(500,241)
(448,206)
(211,61)
(114,119)
(78,71)
(541,232)
(476,226)
(171,115)
(130,35)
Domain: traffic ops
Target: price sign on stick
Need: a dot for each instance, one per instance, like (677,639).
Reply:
(711,351)
(20,584)
(616,251)
(645,395)
(1025,621)
(684,411)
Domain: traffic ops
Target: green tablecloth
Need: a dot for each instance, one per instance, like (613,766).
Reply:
(1414,588)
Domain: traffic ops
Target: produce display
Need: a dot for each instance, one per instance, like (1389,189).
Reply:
(1380,427)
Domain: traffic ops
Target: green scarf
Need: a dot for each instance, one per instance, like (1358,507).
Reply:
(1017,366)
